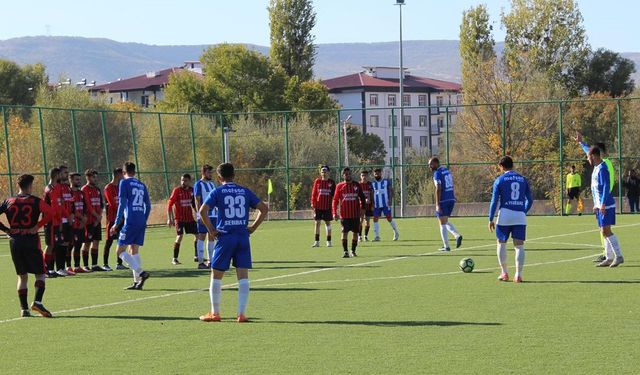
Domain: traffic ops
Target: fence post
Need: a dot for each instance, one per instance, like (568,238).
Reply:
(503,110)
(561,161)
(446,121)
(6,148)
(339,134)
(44,148)
(105,140)
(193,145)
(393,152)
(286,160)
(164,157)
(620,173)
(222,139)
(133,142)
(74,130)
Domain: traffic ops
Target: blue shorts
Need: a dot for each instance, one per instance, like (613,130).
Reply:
(518,232)
(202,228)
(609,217)
(379,211)
(131,235)
(230,247)
(446,208)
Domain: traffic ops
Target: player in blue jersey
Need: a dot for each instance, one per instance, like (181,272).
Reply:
(382,196)
(134,207)
(232,231)
(445,201)
(201,190)
(604,207)
(511,191)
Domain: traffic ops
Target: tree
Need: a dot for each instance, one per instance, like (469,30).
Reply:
(608,72)
(549,35)
(292,48)
(365,148)
(186,92)
(18,86)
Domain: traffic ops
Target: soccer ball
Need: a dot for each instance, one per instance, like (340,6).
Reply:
(466,265)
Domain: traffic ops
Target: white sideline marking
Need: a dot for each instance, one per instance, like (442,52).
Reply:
(329,269)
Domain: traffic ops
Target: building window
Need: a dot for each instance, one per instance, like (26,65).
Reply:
(391,100)
(422,100)
(374,121)
(459,98)
(393,141)
(406,121)
(439,101)
(424,141)
(144,101)
(406,100)
(407,142)
(373,100)
(422,120)
(392,121)
(440,122)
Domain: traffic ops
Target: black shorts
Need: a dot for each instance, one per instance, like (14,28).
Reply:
(27,255)
(350,225)
(188,227)
(118,228)
(66,233)
(79,235)
(573,193)
(93,233)
(368,214)
(51,234)
(322,215)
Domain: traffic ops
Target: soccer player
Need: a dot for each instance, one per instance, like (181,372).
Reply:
(23,212)
(382,196)
(321,195)
(111,196)
(365,186)
(93,230)
(574,183)
(445,201)
(233,202)
(511,191)
(81,213)
(201,190)
(182,199)
(134,207)
(605,208)
(66,230)
(53,198)
(351,202)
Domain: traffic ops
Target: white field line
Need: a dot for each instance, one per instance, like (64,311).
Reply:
(308,273)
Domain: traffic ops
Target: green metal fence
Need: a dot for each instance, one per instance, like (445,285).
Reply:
(288,147)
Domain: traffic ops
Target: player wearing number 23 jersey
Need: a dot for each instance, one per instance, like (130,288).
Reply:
(134,207)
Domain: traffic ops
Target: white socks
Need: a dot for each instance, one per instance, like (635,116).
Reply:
(519,259)
(444,235)
(200,248)
(210,246)
(132,261)
(328,229)
(376,228)
(393,225)
(612,246)
(243,295)
(502,256)
(215,294)
(452,229)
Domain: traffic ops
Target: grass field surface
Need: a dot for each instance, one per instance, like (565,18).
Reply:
(399,307)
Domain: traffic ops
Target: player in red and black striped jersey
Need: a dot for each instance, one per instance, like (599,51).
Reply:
(23,212)
(349,201)
(81,213)
(111,198)
(93,229)
(66,230)
(183,216)
(321,196)
(53,198)
(367,189)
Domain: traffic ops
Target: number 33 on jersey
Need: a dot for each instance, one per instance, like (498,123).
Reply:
(233,202)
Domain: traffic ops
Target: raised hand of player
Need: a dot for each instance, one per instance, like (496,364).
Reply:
(578,136)
(492,226)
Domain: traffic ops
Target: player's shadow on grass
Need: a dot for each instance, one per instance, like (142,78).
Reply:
(291,267)
(582,281)
(171,272)
(290,261)
(128,317)
(562,249)
(391,323)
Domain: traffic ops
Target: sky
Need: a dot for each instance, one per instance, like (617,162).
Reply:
(610,24)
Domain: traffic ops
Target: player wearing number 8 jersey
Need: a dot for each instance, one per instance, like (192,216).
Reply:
(445,201)
(512,192)
(233,203)
(134,207)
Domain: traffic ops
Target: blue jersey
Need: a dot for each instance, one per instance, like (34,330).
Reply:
(443,177)
(233,202)
(381,192)
(134,205)
(201,191)
(601,186)
(513,193)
